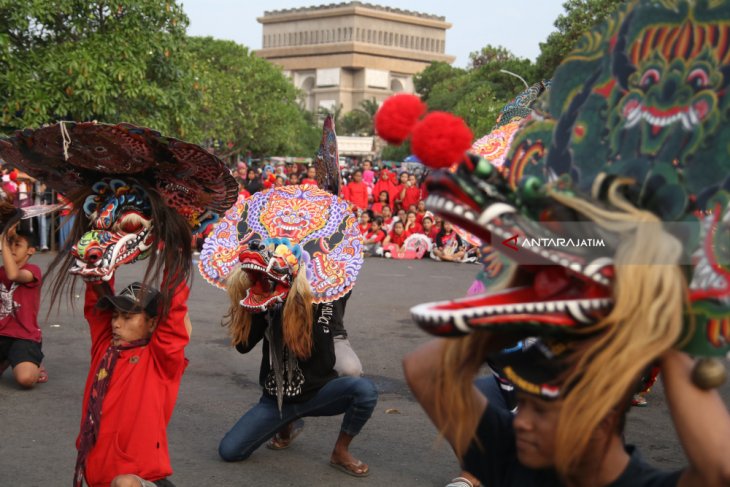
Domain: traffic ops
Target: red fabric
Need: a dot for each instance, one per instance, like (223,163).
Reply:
(357,194)
(395,194)
(313,182)
(21,317)
(244,193)
(398,239)
(419,218)
(416,228)
(384,185)
(67,205)
(141,396)
(364,229)
(433,232)
(378,208)
(412,197)
(375,236)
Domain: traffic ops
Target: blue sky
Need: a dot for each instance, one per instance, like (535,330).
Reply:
(518,25)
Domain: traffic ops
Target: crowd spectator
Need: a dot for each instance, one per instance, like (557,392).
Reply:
(411,225)
(293,179)
(410,193)
(365,219)
(429,228)
(398,192)
(374,237)
(383,200)
(253,183)
(448,245)
(311,176)
(388,219)
(386,183)
(356,191)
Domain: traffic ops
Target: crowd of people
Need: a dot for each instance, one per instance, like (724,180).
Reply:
(390,206)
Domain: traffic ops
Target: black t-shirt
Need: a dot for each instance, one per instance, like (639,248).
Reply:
(307,376)
(497,464)
(332,315)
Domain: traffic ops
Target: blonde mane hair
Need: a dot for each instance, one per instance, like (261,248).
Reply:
(296,320)
(649,294)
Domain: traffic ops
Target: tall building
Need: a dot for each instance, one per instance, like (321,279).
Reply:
(342,54)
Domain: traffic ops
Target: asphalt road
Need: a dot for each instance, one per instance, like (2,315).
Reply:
(38,427)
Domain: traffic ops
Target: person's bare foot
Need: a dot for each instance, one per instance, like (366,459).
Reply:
(283,438)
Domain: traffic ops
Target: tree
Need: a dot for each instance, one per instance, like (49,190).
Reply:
(435,73)
(355,122)
(580,17)
(94,60)
(245,101)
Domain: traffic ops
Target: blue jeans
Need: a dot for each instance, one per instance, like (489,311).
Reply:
(354,396)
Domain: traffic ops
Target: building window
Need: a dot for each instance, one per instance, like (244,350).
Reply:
(370,36)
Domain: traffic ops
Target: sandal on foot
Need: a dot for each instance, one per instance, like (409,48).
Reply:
(461,482)
(279,443)
(639,401)
(42,376)
(352,468)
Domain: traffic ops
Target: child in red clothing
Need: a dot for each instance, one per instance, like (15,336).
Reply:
(383,201)
(410,193)
(311,176)
(364,225)
(20,336)
(429,229)
(356,192)
(399,191)
(393,243)
(387,219)
(123,437)
(374,238)
(412,225)
(421,212)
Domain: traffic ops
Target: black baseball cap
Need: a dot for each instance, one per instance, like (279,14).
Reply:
(134,298)
(537,368)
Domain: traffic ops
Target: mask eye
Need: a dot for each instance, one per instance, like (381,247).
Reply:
(698,79)
(650,78)
(92,256)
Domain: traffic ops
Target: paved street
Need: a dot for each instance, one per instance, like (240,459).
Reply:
(38,427)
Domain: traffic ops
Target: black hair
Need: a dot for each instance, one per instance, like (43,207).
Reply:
(387,196)
(28,235)
(378,220)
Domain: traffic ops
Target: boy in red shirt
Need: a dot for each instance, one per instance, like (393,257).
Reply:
(20,336)
(356,192)
(311,176)
(137,362)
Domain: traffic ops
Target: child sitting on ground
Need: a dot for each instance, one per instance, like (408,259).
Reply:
(20,336)
(123,437)
(373,239)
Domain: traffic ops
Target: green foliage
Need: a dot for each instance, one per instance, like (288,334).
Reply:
(396,152)
(580,16)
(245,101)
(478,93)
(356,122)
(93,59)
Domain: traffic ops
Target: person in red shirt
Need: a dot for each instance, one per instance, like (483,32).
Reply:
(311,176)
(398,191)
(293,179)
(412,226)
(386,182)
(356,191)
(410,193)
(375,236)
(393,243)
(387,219)
(429,229)
(20,336)
(421,212)
(365,220)
(383,201)
(137,363)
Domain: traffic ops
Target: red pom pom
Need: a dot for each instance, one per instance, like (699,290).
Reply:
(397,117)
(14,175)
(441,139)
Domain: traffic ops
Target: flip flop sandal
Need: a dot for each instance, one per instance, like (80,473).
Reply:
(349,468)
(279,443)
(461,482)
(42,376)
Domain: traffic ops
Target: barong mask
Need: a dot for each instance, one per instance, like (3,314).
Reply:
(131,190)
(121,230)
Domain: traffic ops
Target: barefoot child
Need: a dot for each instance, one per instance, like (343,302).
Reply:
(20,336)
